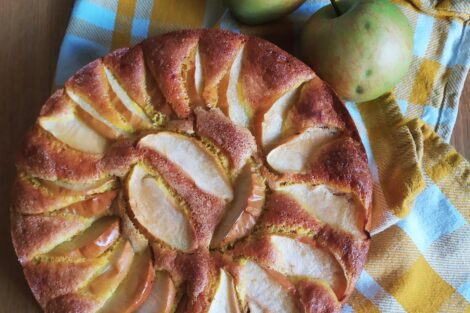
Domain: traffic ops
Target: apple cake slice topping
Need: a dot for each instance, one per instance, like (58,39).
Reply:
(295,154)
(134,112)
(101,287)
(329,206)
(162,297)
(298,258)
(52,278)
(241,214)
(91,243)
(264,291)
(71,130)
(225,297)
(168,59)
(156,211)
(100,103)
(189,155)
(230,99)
(218,50)
(135,288)
(237,143)
(127,66)
(194,79)
(199,171)
(272,125)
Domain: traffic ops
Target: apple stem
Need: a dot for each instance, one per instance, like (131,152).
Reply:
(335,6)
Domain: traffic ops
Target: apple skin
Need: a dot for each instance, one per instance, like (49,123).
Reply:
(362,53)
(261,11)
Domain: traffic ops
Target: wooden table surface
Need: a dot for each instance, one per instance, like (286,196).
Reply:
(31,34)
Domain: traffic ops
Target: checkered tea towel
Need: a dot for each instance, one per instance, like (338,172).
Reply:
(419,259)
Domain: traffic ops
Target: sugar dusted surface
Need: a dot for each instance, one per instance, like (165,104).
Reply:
(225,103)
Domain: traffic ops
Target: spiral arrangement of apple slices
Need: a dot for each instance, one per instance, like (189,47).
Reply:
(199,171)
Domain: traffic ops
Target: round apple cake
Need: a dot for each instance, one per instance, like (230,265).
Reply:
(198,171)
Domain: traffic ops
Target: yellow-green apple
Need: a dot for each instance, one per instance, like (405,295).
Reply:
(261,11)
(361,48)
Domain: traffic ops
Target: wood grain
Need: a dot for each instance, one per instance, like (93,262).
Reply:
(31,34)
(461,134)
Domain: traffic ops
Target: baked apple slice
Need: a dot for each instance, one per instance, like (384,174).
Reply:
(301,259)
(94,241)
(162,296)
(264,291)
(230,98)
(194,160)
(135,288)
(61,187)
(71,130)
(103,286)
(89,89)
(59,117)
(335,208)
(244,210)
(155,210)
(225,297)
(129,230)
(294,154)
(273,120)
(131,110)
(195,80)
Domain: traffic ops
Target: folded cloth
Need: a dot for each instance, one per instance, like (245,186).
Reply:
(419,259)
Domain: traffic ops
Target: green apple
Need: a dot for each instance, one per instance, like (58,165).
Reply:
(361,48)
(261,11)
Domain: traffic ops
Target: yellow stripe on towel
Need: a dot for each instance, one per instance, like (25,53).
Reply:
(361,304)
(123,24)
(421,289)
(424,82)
(168,15)
(448,169)
(396,153)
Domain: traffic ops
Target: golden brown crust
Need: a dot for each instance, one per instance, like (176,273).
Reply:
(201,273)
(317,298)
(59,192)
(72,303)
(283,214)
(34,234)
(259,250)
(316,107)
(120,157)
(237,142)
(30,196)
(343,164)
(95,206)
(46,157)
(268,72)
(218,49)
(58,103)
(193,273)
(128,66)
(90,83)
(350,252)
(50,280)
(167,56)
(320,106)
